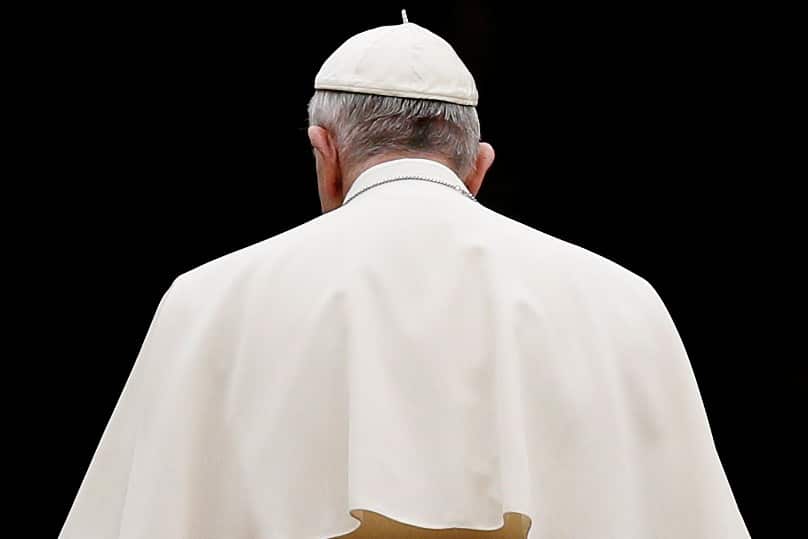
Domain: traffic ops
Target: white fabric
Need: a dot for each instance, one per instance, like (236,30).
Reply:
(403,60)
(419,355)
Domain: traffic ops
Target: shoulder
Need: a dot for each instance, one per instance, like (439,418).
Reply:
(273,255)
(544,252)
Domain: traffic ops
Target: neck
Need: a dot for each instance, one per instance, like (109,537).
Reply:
(350,174)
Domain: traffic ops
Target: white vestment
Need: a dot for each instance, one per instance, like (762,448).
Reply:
(419,355)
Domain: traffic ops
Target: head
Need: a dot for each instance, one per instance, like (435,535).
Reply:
(350,132)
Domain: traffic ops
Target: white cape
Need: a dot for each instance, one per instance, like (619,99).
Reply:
(415,354)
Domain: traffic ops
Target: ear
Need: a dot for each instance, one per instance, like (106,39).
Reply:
(322,143)
(485,157)
(329,175)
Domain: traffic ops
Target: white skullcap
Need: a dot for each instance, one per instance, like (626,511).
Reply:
(404,60)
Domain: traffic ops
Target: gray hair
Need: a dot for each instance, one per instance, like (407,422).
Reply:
(367,125)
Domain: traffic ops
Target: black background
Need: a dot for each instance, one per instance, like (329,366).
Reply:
(172,136)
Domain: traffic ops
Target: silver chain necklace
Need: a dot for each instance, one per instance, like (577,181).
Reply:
(452,186)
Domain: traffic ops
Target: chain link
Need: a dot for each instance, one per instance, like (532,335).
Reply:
(452,186)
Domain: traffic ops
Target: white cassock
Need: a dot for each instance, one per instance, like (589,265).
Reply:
(415,354)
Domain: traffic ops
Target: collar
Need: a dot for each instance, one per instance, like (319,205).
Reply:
(402,168)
